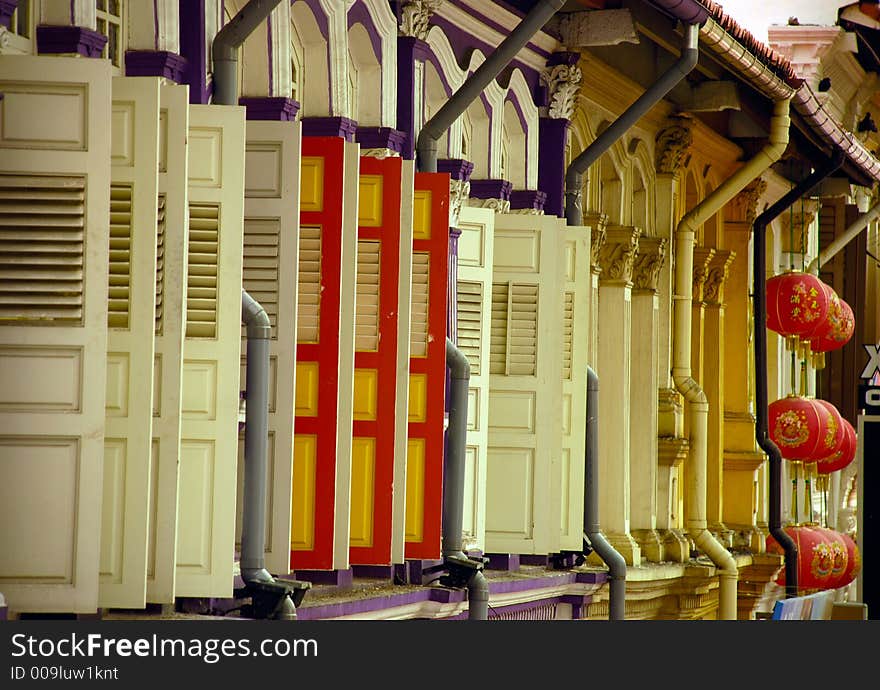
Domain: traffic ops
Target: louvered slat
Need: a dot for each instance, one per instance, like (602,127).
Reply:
(201,293)
(260,278)
(41,248)
(160,263)
(523,330)
(567,330)
(119,295)
(469,299)
(421,271)
(367,298)
(498,329)
(308,315)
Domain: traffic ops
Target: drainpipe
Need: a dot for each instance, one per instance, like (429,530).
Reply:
(433,129)
(848,236)
(693,393)
(592,532)
(759,309)
(224,49)
(463,571)
(271,598)
(574,176)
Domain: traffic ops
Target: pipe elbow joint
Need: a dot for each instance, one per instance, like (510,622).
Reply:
(255,318)
(457,362)
(690,388)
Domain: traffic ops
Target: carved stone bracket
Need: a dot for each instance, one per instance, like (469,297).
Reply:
(648,262)
(415,16)
(702,257)
(719,269)
(672,143)
(744,206)
(497,205)
(618,253)
(459,190)
(597,223)
(562,83)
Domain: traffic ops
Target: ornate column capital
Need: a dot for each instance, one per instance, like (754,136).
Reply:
(702,257)
(719,269)
(562,82)
(618,253)
(415,16)
(649,260)
(744,206)
(459,190)
(597,223)
(672,143)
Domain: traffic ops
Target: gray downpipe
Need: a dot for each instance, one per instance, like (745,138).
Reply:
(453,483)
(224,49)
(592,532)
(256,448)
(759,310)
(574,176)
(473,86)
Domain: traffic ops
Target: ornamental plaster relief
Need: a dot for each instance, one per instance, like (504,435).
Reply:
(718,271)
(648,263)
(563,83)
(459,190)
(415,16)
(744,206)
(617,254)
(672,143)
(597,223)
(702,257)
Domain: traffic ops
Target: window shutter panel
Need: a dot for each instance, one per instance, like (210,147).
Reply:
(308,320)
(567,329)
(261,267)
(201,293)
(470,331)
(160,263)
(498,333)
(367,297)
(418,337)
(523,330)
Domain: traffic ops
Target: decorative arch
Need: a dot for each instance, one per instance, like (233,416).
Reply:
(310,59)
(643,206)
(514,147)
(520,95)
(364,77)
(380,24)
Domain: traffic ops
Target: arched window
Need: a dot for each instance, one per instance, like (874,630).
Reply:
(365,78)
(308,45)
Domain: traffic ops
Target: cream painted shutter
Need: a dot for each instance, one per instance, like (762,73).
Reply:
(474,299)
(271,246)
(525,398)
(171,257)
(54,239)
(211,352)
(131,320)
(575,272)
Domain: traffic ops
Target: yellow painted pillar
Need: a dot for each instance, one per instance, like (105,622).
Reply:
(597,223)
(615,313)
(713,379)
(643,407)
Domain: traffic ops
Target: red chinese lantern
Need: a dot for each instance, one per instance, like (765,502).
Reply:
(796,303)
(835,432)
(836,329)
(843,456)
(840,555)
(854,559)
(815,557)
(798,426)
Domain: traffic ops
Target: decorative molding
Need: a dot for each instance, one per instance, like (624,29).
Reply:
(719,269)
(458,168)
(562,82)
(278,109)
(672,142)
(155,63)
(497,205)
(618,253)
(7,7)
(459,190)
(415,17)
(528,201)
(4,37)
(381,138)
(329,127)
(597,222)
(672,451)
(379,153)
(649,260)
(70,39)
(702,257)
(744,206)
(491,189)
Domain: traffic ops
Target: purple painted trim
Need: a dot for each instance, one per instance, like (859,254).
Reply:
(359,14)
(409,51)
(7,7)
(528,198)
(319,15)
(374,572)
(552,134)
(69,39)
(533,559)
(414,571)
(339,578)
(462,41)
(192,48)
(329,127)
(277,108)
(443,595)
(491,189)
(563,57)
(593,577)
(458,168)
(688,11)
(506,586)
(381,138)
(270,61)
(349,608)
(150,63)
(578,603)
(503,561)
(483,19)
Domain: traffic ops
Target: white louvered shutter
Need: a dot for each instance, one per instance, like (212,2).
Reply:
(366,337)
(470,323)
(309,298)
